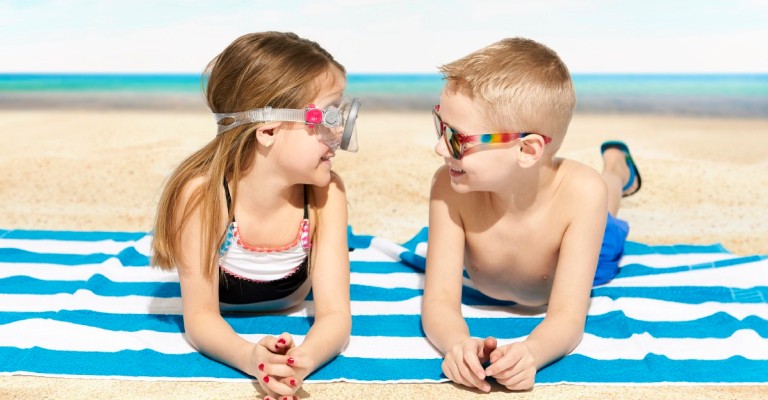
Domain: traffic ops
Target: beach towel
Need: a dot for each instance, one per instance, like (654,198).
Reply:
(87,304)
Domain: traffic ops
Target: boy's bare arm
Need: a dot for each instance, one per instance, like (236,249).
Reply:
(563,327)
(441,309)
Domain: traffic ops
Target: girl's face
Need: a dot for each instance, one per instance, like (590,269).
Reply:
(302,155)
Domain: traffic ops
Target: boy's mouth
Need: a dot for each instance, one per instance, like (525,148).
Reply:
(456,171)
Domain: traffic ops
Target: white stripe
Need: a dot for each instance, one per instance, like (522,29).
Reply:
(388,248)
(65,336)
(740,276)
(111,269)
(421,249)
(408,280)
(86,300)
(142,245)
(659,310)
(674,260)
(56,335)
(745,343)
(370,254)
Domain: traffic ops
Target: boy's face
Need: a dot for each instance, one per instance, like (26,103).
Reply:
(486,167)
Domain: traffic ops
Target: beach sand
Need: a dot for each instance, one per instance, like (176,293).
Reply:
(704,182)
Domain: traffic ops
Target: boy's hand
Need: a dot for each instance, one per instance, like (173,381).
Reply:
(463,364)
(275,374)
(513,366)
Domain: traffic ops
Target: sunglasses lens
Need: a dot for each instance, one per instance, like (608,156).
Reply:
(454,144)
(438,124)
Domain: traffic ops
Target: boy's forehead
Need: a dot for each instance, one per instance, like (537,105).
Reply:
(460,110)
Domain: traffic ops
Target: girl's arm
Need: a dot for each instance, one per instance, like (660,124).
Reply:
(330,280)
(205,328)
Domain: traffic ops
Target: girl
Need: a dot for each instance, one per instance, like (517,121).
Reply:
(256,217)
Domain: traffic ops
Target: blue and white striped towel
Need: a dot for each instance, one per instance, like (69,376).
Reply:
(87,304)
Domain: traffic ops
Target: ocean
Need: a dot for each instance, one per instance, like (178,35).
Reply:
(735,95)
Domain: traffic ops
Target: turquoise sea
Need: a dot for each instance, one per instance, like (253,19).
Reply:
(698,94)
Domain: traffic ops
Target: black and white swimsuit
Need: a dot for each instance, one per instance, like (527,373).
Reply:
(263,278)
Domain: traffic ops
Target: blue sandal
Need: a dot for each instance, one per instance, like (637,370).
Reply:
(634,173)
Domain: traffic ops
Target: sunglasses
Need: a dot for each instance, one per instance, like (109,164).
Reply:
(457,142)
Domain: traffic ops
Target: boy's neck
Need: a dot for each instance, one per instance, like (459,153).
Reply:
(529,185)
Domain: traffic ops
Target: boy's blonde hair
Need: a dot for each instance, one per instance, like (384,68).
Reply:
(522,85)
(274,69)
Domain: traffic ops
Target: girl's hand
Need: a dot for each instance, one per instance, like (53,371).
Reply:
(513,366)
(463,364)
(274,372)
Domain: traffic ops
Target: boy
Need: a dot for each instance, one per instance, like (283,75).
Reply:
(527,226)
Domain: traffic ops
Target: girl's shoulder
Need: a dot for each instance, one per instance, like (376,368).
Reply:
(334,188)
(194,185)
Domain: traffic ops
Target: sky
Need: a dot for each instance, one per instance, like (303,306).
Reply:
(378,36)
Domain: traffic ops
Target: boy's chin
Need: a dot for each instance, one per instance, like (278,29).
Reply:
(461,187)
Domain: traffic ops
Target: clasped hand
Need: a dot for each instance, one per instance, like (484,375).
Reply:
(281,367)
(511,365)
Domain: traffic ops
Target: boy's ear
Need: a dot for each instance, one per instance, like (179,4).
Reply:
(265,134)
(531,150)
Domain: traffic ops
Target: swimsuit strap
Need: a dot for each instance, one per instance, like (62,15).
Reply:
(226,192)
(306,203)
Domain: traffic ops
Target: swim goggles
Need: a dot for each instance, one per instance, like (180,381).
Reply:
(457,142)
(334,125)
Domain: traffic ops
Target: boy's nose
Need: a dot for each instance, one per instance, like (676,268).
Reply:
(441,149)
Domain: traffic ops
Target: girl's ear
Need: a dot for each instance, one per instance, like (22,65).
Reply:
(531,150)
(265,134)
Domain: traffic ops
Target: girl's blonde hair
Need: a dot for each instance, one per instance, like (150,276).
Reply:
(274,69)
(522,86)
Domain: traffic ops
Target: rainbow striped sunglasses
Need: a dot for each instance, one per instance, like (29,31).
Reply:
(457,142)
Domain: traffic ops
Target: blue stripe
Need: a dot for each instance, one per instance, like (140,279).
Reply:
(630,270)
(82,236)
(654,369)
(102,286)
(613,325)
(128,257)
(379,267)
(98,284)
(573,368)
(637,249)
(373,293)
(687,294)
(358,241)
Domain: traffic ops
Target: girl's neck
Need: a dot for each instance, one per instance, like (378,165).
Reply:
(265,192)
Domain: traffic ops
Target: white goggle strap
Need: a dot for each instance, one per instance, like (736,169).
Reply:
(266,114)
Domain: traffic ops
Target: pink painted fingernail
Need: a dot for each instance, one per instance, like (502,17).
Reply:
(261,367)
(291,361)
(266,378)
(281,341)
(293,382)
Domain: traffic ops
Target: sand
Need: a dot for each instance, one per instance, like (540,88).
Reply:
(704,182)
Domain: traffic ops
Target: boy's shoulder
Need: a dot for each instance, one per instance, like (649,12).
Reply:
(577,183)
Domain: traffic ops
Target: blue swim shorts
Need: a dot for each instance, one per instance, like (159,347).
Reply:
(616,231)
